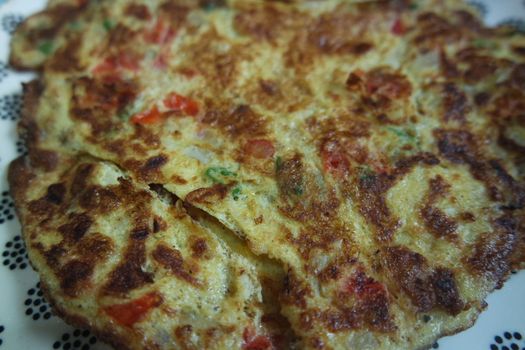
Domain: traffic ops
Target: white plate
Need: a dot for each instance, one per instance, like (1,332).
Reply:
(25,318)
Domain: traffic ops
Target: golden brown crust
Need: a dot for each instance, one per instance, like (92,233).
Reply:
(427,288)
(106,335)
(40,28)
(19,176)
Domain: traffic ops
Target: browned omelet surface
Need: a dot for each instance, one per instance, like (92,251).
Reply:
(369,158)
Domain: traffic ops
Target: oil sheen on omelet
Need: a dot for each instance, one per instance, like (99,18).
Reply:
(368,156)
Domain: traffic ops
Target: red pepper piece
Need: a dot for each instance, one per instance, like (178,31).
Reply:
(255,342)
(334,159)
(176,102)
(398,28)
(149,117)
(130,313)
(363,286)
(116,63)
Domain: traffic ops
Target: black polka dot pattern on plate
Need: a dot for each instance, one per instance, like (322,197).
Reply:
(10,22)
(14,255)
(2,329)
(3,71)
(10,106)
(435,345)
(76,340)
(508,341)
(21,147)
(7,208)
(36,306)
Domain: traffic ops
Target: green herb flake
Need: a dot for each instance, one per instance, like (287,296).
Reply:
(236,193)
(479,43)
(124,115)
(298,190)
(217,174)
(75,25)
(108,24)
(46,47)
(131,109)
(413,6)
(484,44)
(278,163)
(402,134)
(366,173)
(127,112)
(209,7)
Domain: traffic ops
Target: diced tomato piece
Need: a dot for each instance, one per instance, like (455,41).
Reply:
(176,102)
(149,117)
(398,28)
(255,342)
(335,162)
(334,159)
(363,286)
(260,342)
(130,313)
(114,64)
(161,33)
(261,149)
(108,65)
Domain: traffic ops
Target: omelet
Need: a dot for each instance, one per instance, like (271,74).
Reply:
(271,174)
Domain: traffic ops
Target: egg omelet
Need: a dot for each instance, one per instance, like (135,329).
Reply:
(270,174)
